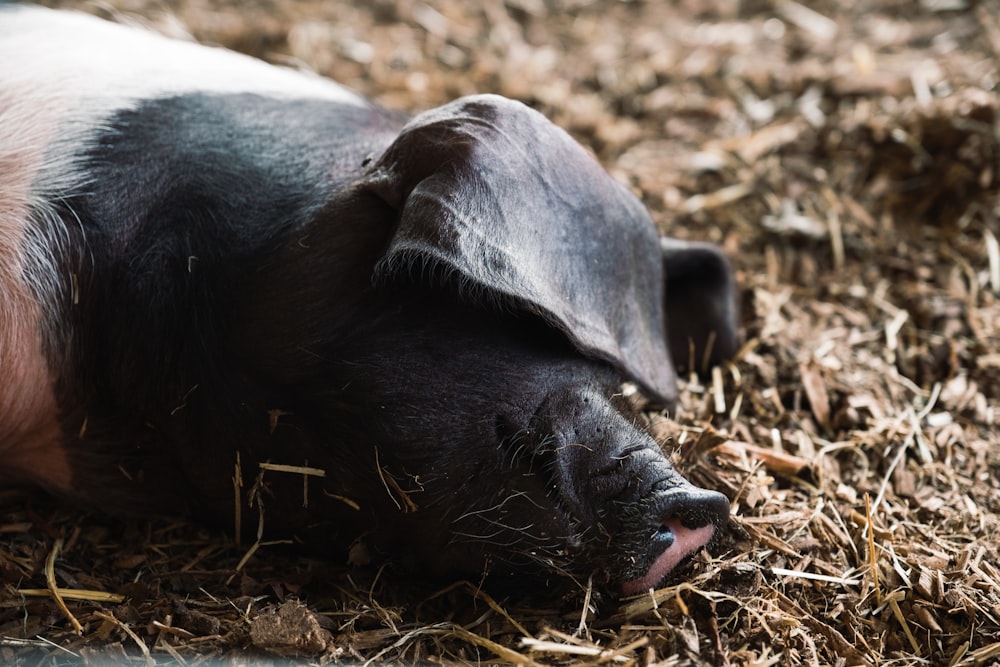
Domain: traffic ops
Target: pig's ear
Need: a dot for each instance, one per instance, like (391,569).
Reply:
(701,305)
(492,194)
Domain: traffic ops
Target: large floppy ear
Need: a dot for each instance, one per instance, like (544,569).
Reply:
(701,305)
(490,191)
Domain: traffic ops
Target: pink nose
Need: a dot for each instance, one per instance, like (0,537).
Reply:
(686,541)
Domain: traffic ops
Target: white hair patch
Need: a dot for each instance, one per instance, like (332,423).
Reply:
(30,436)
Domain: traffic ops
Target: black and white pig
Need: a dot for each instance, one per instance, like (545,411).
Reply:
(228,288)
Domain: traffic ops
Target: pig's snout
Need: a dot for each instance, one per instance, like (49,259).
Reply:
(679,523)
(643,518)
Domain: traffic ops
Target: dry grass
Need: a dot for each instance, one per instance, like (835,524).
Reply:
(846,157)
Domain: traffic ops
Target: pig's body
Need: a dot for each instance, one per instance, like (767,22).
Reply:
(208,262)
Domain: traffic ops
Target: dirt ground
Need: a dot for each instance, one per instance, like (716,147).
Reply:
(845,155)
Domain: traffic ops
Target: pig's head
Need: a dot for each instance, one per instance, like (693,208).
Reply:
(550,288)
(481,407)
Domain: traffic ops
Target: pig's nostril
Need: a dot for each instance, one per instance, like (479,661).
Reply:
(662,538)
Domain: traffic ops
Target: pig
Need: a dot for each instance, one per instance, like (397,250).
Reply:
(246,294)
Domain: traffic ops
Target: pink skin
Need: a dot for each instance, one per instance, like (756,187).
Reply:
(30,434)
(686,542)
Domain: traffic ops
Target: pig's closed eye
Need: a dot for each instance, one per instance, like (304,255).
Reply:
(515,440)
(629,451)
(506,428)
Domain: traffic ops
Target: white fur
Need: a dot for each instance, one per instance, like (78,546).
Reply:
(85,57)
(62,74)
(29,431)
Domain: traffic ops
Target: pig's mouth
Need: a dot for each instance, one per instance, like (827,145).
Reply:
(681,522)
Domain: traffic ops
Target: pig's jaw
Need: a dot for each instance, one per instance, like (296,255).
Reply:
(686,542)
